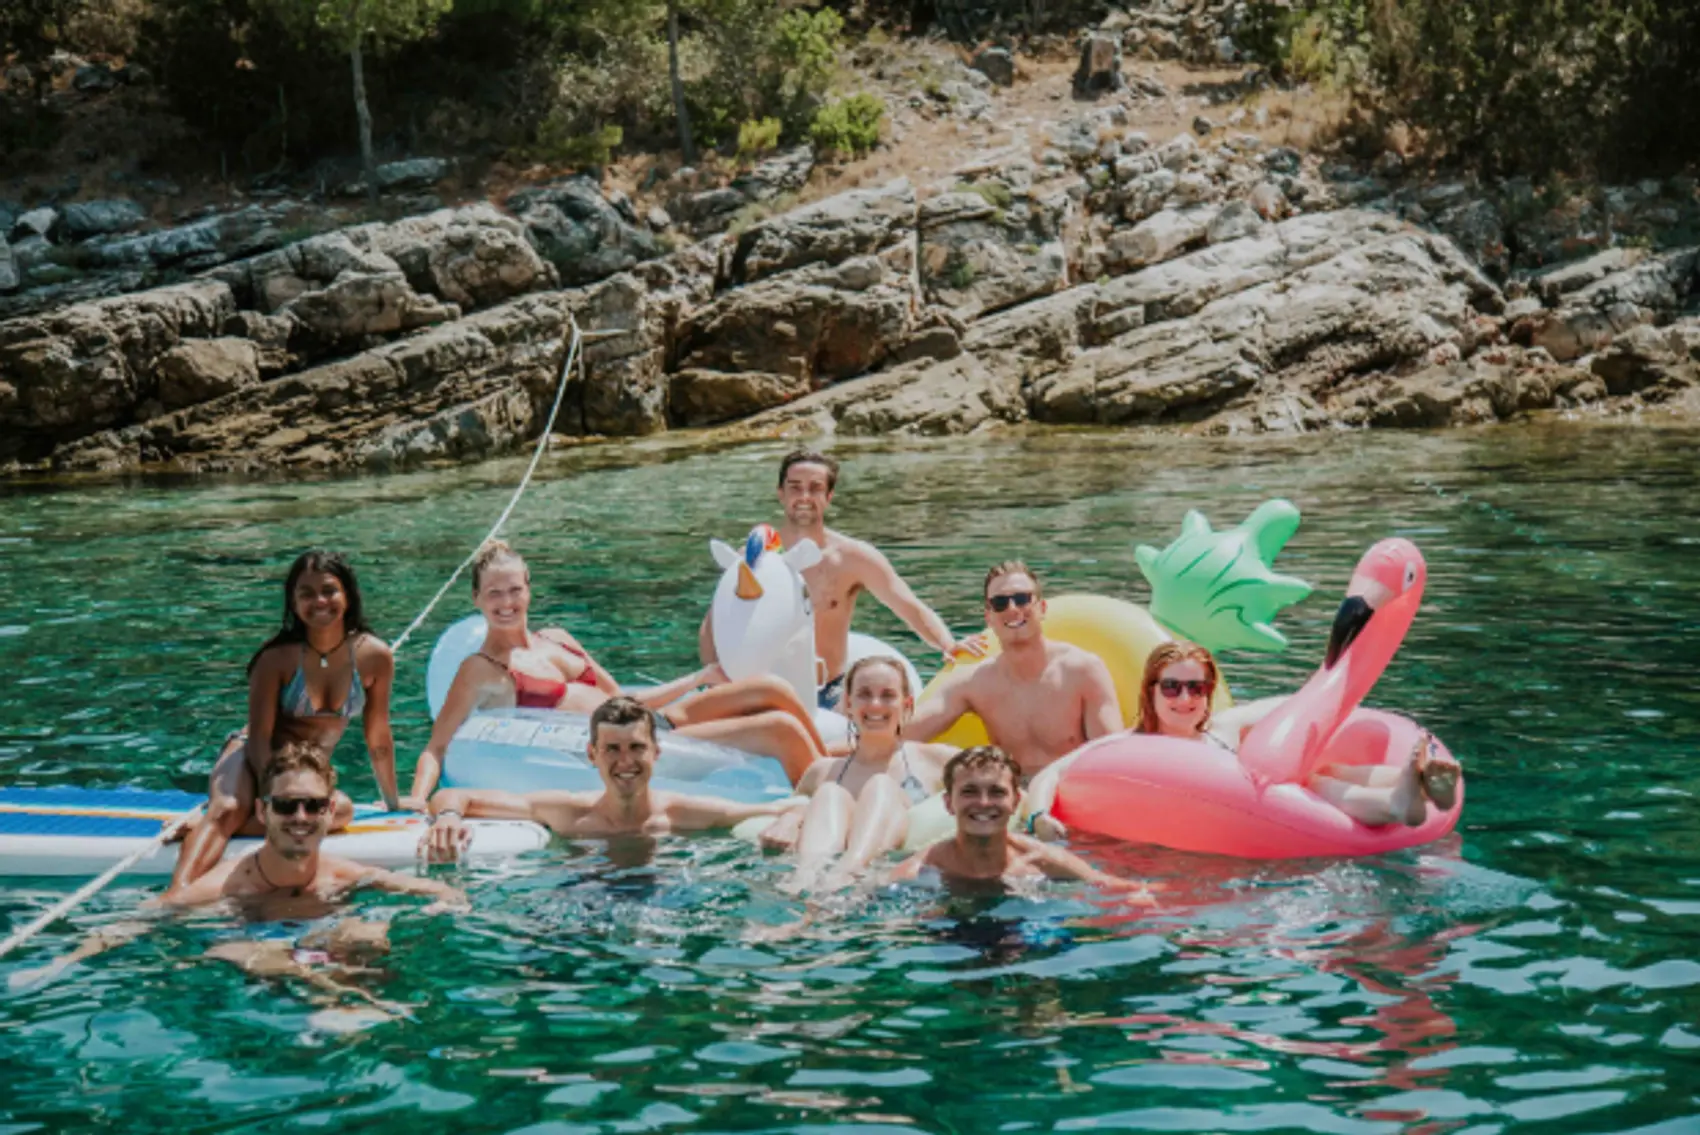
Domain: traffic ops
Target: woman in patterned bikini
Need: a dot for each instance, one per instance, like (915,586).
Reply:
(322,669)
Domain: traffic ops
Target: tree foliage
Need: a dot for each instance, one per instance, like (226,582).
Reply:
(1508,86)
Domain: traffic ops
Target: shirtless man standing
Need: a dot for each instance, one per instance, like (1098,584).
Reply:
(847,568)
(981,791)
(623,749)
(1040,699)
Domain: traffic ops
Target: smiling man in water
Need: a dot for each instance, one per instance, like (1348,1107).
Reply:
(285,878)
(847,567)
(982,790)
(1040,699)
(623,749)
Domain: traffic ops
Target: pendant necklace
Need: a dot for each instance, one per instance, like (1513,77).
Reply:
(325,658)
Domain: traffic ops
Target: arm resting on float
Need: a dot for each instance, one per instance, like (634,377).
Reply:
(458,705)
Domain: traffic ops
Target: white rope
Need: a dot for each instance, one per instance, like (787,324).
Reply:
(171,827)
(536,456)
(90,888)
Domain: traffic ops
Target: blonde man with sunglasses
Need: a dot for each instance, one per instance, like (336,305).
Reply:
(1040,699)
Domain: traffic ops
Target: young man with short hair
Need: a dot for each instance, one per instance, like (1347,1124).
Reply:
(848,567)
(623,749)
(982,790)
(286,877)
(1040,699)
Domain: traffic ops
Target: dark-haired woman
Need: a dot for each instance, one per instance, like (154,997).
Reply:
(321,670)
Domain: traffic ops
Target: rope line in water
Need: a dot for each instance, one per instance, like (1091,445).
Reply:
(519,490)
(170,828)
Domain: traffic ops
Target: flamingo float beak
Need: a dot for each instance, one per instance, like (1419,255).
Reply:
(1365,595)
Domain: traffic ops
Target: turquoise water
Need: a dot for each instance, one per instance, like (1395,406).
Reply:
(1538,972)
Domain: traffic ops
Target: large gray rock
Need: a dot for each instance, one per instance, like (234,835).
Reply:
(90,365)
(35,222)
(199,369)
(10,277)
(1159,237)
(473,256)
(414,173)
(471,389)
(576,229)
(987,246)
(1606,295)
(1100,68)
(996,64)
(709,397)
(955,396)
(784,172)
(86,219)
(821,324)
(857,223)
(356,305)
(1299,307)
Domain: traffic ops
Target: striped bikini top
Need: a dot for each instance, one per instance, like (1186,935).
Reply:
(295,701)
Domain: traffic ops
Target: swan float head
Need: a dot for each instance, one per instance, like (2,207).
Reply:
(763,622)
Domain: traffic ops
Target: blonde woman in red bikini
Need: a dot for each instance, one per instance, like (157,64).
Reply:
(548,669)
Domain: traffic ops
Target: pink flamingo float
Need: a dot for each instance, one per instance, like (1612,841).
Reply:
(1195,796)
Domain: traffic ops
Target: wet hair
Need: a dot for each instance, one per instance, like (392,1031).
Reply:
(809,457)
(981,757)
(878,660)
(298,756)
(494,554)
(1010,567)
(293,629)
(620,711)
(1165,655)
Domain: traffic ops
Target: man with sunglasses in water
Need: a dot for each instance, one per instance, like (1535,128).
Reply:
(847,568)
(1040,699)
(285,878)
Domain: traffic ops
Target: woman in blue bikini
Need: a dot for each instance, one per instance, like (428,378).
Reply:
(321,670)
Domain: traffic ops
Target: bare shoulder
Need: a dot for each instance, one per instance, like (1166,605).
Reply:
(374,653)
(1078,660)
(345,872)
(856,553)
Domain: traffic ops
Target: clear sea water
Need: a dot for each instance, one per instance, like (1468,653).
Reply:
(1537,972)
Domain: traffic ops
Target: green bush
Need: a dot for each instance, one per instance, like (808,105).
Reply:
(848,126)
(757,137)
(558,144)
(1505,87)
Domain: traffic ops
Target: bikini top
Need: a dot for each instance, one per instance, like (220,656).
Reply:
(534,692)
(294,700)
(911,785)
(587,676)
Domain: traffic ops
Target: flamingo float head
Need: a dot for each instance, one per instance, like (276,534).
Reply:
(1381,601)
(1387,586)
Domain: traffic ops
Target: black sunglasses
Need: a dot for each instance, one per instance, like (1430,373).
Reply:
(1172,687)
(287,805)
(1001,602)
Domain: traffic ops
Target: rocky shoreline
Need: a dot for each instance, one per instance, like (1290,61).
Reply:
(1090,276)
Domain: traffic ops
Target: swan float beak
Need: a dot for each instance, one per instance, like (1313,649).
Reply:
(748,586)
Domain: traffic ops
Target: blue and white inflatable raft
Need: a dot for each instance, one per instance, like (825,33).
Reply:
(83,831)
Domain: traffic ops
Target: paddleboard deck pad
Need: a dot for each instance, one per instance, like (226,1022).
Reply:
(83,831)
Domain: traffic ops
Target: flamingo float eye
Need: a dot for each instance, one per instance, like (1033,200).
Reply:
(1410,576)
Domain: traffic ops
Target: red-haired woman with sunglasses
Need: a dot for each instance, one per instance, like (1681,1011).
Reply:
(1174,701)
